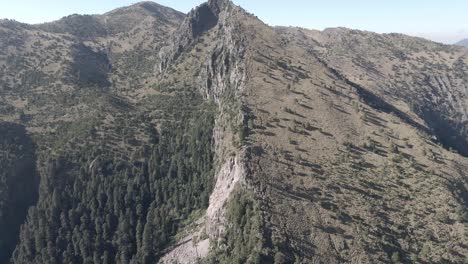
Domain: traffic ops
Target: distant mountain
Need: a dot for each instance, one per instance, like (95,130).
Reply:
(145,135)
(462,43)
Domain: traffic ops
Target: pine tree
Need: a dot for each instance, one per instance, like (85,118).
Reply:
(148,237)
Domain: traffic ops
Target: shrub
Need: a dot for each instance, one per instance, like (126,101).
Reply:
(396,257)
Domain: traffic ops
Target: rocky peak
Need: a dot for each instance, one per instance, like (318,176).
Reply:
(206,16)
(219,5)
(198,21)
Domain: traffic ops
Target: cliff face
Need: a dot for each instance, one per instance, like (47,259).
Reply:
(214,137)
(221,78)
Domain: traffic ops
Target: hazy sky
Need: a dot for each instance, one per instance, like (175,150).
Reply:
(439,20)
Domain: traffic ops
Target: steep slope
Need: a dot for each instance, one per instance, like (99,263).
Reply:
(100,125)
(417,76)
(120,21)
(210,44)
(328,170)
(213,137)
(18,184)
(39,66)
(346,176)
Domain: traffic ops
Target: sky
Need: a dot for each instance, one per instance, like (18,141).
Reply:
(439,20)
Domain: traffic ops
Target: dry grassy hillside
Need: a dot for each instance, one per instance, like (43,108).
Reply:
(417,76)
(347,176)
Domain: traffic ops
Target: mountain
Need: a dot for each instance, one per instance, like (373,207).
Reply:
(145,135)
(462,43)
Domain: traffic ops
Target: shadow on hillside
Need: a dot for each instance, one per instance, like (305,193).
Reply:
(19,181)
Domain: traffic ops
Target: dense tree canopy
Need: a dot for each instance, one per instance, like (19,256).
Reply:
(98,207)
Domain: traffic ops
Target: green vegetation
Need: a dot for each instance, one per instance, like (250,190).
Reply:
(395,257)
(243,242)
(18,184)
(105,207)
(72,131)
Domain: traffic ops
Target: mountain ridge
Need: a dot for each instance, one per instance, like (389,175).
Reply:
(463,42)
